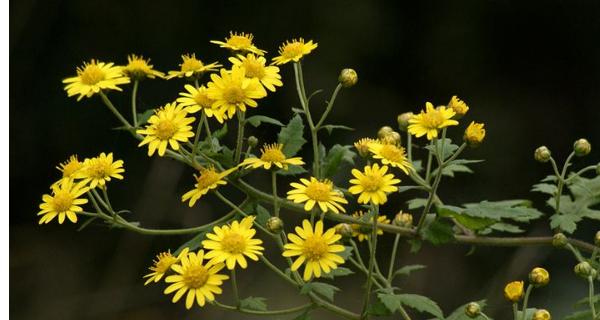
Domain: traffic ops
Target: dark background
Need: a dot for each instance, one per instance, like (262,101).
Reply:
(530,71)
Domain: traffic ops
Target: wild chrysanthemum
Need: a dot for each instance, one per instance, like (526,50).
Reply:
(233,243)
(362,232)
(272,155)
(431,120)
(316,249)
(256,68)
(239,42)
(63,202)
(168,126)
(294,51)
(139,68)
(208,179)
(373,184)
(362,146)
(195,100)
(232,90)
(319,192)
(459,107)
(69,168)
(200,281)
(390,154)
(162,264)
(99,170)
(93,77)
(192,67)
(474,134)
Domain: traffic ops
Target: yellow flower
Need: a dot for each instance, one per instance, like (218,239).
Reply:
(430,121)
(362,146)
(232,90)
(539,277)
(209,179)
(139,68)
(93,77)
(513,291)
(230,244)
(317,192)
(99,170)
(314,248)
(459,107)
(541,314)
(64,202)
(294,51)
(162,264)
(200,281)
(272,155)
(195,100)
(192,67)
(474,134)
(167,126)
(239,42)
(362,232)
(256,68)
(69,168)
(373,184)
(390,154)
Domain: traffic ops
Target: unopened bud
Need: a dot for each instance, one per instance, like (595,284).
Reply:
(513,291)
(460,107)
(403,219)
(348,77)
(393,138)
(597,239)
(584,270)
(344,230)
(362,146)
(274,224)
(474,134)
(559,240)
(541,314)
(472,310)
(252,141)
(384,131)
(403,120)
(582,147)
(539,277)
(542,154)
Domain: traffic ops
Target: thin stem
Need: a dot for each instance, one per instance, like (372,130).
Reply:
(240,136)
(207,127)
(373,243)
(404,314)
(197,139)
(275,197)
(525,301)
(580,172)
(240,211)
(591,296)
(114,110)
(409,146)
(575,252)
(234,287)
(280,273)
(329,106)
(561,182)
(515,311)
(313,129)
(393,258)
(133,102)
(263,313)
(429,160)
(485,317)
(357,253)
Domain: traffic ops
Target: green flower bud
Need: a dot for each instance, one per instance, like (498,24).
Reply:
(541,314)
(559,240)
(274,224)
(539,277)
(584,270)
(598,169)
(582,147)
(252,141)
(597,239)
(403,220)
(472,310)
(344,230)
(392,138)
(348,78)
(403,120)
(384,131)
(542,154)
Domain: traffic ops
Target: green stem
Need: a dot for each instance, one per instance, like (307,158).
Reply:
(240,136)
(114,110)
(428,167)
(275,197)
(515,311)
(575,252)
(404,314)
(234,287)
(277,271)
(409,146)
(525,301)
(393,258)
(561,181)
(329,106)
(580,172)
(305,107)
(263,313)
(207,127)
(197,139)
(591,296)
(373,243)
(133,102)
(240,211)
(485,317)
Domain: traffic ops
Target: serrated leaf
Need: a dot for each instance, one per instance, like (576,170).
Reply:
(331,127)
(408,269)
(291,136)
(298,110)
(416,203)
(224,157)
(336,156)
(346,253)
(142,117)
(517,210)
(257,120)
(417,165)
(446,151)
(305,315)
(415,245)
(473,223)
(438,232)
(337,272)
(193,244)
(378,309)
(580,315)
(565,222)
(254,303)
(262,215)
(547,188)
(422,304)
(221,132)
(325,290)
(506,227)
(292,170)
(585,198)
(459,313)
(456,166)
(391,301)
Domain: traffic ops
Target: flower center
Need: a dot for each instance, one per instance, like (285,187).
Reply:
(233,94)
(318,191)
(392,153)
(207,178)
(315,248)
(91,75)
(203,100)
(254,69)
(371,183)
(62,201)
(165,129)
(98,169)
(233,243)
(239,41)
(292,50)
(195,276)
(433,119)
(70,168)
(272,154)
(137,65)
(165,260)
(191,64)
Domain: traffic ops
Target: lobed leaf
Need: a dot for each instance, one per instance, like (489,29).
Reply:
(291,136)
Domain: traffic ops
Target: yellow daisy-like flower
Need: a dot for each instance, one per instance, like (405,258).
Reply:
(139,68)
(240,42)
(231,244)
(162,264)
(64,202)
(319,192)
(232,90)
(431,120)
(373,184)
(167,126)
(200,281)
(209,179)
(474,134)
(69,168)
(94,76)
(362,232)
(316,249)
(362,146)
(272,155)
(192,67)
(513,291)
(99,170)
(256,67)
(459,107)
(294,51)
(195,100)
(390,154)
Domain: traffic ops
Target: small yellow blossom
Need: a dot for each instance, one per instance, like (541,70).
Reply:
(69,168)
(256,68)
(431,120)
(541,314)
(272,155)
(192,67)
(362,232)
(208,179)
(458,106)
(139,68)
(162,265)
(474,134)
(99,170)
(319,192)
(513,291)
(362,146)
(373,184)
(232,91)
(168,126)
(64,202)
(241,42)
(390,154)
(196,99)
(294,51)
(93,77)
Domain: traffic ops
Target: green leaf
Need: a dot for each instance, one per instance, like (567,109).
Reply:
(193,244)
(336,156)
(143,117)
(416,203)
(516,210)
(291,136)
(256,121)
(438,232)
(408,269)
(528,314)
(331,127)
(547,188)
(378,309)
(305,315)
(422,304)
(417,165)
(415,245)
(455,166)
(254,303)
(459,313)
(506,227)
(225,157)
(391,301)
(221,132)
(292,170)
(297,110)
(565,222)
(473,223)
(580,315)
(262,215)
(338,272)
(325,290)
(446,151)
(346,253)
(583,203)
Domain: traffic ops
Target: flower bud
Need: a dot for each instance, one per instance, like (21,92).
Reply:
(598,169)
(584,270)
(559,240)
(582,147)
(274,224)
(403,219)
(348,77)
(403,120)
(392,138)
(472,310)
(459,107)
(513,291)
(362,146)
(542,154)
(384,131)
(474,134)
(252,141)
(344,230)
(541,314)
(597,239)
(539,277)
